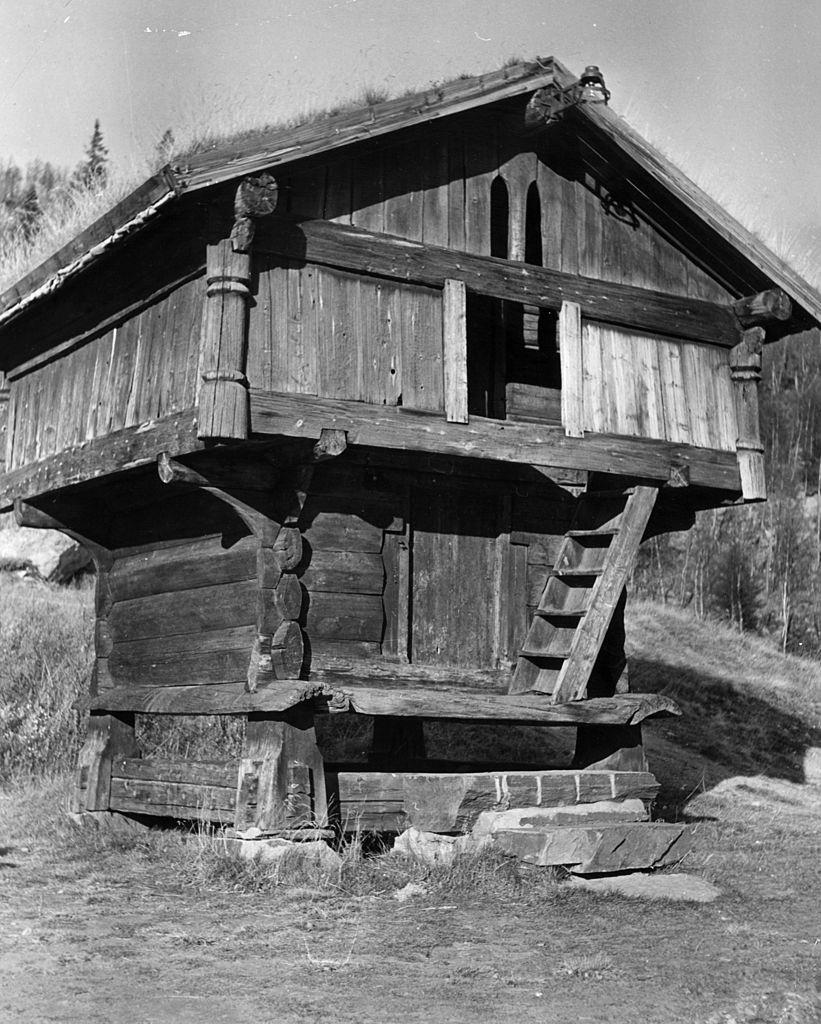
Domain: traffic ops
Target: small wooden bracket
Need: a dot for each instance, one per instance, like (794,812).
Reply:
(255,197)
(767,307)
(331,443)
(679,475)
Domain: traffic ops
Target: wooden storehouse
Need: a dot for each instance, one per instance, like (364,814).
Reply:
(370,416)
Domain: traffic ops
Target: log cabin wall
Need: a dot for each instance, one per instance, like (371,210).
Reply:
(408,565)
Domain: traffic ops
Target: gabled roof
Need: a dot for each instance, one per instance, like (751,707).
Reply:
(282,146)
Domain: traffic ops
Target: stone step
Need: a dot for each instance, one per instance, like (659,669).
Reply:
(588,849)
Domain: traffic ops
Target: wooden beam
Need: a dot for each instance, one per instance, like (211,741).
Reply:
(570,354)
(454,316)
(377,426)
(340,245)
(121,450)
(763,308)
(281,778)
(375,695)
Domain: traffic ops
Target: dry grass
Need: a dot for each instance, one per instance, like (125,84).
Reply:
(225,120)
(45,661)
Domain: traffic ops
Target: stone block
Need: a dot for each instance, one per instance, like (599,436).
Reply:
(44,554)
(597,849)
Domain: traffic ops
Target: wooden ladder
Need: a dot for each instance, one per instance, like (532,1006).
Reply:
(581,593)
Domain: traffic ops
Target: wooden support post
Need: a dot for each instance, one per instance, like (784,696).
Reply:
(570,354)
(281,781)
(5,430)
(223,396)
(454,316)
(745,369)
(108,736)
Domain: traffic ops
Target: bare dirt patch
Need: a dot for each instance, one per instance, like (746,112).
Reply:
(125,927)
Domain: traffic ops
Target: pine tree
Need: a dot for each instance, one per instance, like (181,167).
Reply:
(93,172)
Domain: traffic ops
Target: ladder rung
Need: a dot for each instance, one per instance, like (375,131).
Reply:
(560,613)
(557,655)
(557,573)
(607,532)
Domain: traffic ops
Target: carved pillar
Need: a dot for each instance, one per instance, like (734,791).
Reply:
(223,393)
(223,399)
(745,370)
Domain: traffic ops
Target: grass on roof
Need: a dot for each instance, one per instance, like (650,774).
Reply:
(217,126)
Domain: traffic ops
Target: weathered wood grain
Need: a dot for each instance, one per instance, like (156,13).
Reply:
(205,561)
(454,307)
(623,305)
(281,774)
(212,607)
(223,393)
(422,695)
(524,443)
(570,350)
(120,450)
(108,736)
(344,572)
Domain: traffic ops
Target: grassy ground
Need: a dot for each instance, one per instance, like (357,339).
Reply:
(154,926)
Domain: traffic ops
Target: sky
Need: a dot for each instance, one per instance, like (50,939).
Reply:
(729,88)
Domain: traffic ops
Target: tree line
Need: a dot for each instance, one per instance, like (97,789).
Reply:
(26,193)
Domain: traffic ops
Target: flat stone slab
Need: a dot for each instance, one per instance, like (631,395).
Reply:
(676,886)
(598,849)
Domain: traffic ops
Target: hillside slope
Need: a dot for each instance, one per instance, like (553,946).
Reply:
(747,709)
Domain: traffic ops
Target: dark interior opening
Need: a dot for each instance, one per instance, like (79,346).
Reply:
(513,357)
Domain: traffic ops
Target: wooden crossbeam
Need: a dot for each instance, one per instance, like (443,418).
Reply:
(366,252)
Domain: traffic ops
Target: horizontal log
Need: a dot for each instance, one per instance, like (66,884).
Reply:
(200,562)
(345,616)
(204,608)
(192,668)
(338,245)
(192,773)
(164,792)
(200,642)
(123,449)
(379,426)
(763,308)
(166,800)
(377,697)
(324,650)
(452,802)
(344,572)
(342,530)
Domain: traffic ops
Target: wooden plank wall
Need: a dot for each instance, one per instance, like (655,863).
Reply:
(323,332)
(315,331)
(646,386)
(140,370)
